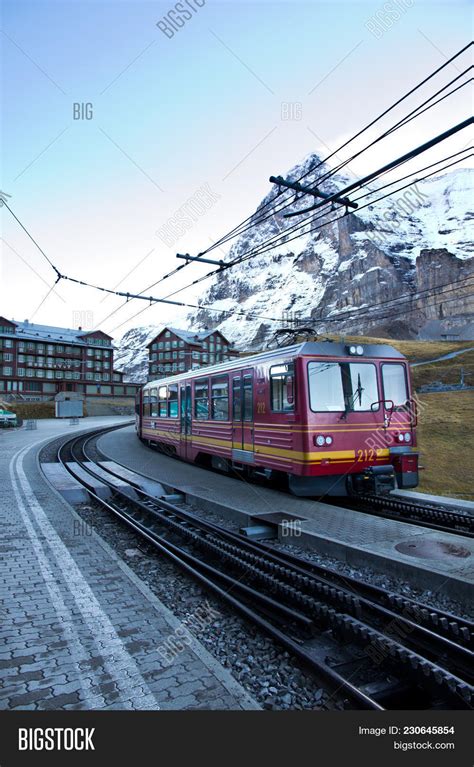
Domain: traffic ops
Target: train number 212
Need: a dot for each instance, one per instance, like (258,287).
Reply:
(366,455)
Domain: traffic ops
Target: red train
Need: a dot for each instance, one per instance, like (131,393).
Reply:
(335,418)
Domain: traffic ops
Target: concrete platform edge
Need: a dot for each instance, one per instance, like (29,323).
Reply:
(231,685)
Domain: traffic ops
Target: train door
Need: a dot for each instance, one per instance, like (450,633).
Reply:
(186,417)
(242,416)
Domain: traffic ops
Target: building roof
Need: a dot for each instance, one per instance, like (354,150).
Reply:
(33,331)
(189,336)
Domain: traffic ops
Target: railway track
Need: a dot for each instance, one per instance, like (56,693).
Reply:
(433,516)
(372,648)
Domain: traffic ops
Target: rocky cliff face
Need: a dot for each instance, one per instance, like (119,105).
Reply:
(350,276)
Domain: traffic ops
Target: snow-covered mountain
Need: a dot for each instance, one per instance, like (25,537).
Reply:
(417,243)
(131,354)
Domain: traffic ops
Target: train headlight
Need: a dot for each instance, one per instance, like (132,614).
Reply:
(320,440)
(400,438)
(328,440)
(360,350)
(352,349)
(407,437)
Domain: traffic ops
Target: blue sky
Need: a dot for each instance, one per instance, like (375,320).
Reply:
(171,115)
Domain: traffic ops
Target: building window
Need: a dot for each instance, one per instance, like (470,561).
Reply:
(201,398)
(7,371)
(21,372)
(33,386)
(8,357)
(220,398)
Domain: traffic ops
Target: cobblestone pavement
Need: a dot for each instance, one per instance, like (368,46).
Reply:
(78,630)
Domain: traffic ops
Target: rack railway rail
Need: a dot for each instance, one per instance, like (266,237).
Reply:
(431,515)
(372,648)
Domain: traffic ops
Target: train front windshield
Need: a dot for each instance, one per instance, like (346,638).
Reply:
(349,386)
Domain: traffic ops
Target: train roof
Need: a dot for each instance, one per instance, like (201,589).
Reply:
(307,348)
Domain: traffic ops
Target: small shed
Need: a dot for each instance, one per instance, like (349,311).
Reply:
(69,404)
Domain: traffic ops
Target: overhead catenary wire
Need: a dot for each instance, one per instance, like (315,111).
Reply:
(274,240)
(404,121)
(370,203)
(360,132)
(271,246)
(391,165)
(58,274)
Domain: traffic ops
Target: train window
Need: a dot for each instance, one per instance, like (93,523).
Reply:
(360,386)
(220,398)
(162,402)
(201,399)
(153,394)
(236,399)
(395,383)
(325,386)
(173,401)
(282,387)
(342,386)
(146,403)
(247,400)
